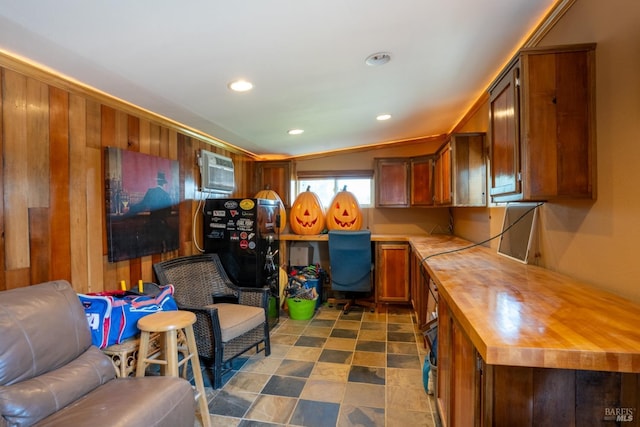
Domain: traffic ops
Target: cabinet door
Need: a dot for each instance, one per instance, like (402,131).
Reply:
(422,181)
(392,272)
(392,182)
(542,126)
(557,120)
(422,302)
(278,176)
(442,192)
(504,133)
(469,169)
(459,380)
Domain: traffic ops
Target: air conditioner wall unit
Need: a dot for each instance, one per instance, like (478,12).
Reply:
(217,173)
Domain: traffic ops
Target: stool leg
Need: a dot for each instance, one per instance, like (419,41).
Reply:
(142,354)
(171,352)
(197,377)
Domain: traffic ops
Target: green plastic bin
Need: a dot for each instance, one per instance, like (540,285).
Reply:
(301,309)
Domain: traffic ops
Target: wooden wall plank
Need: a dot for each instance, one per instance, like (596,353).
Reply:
(164,142)
(109,275)
(108,139)
(38,143)
(121,130)
(95,217)
(135,271)
(154,139)
(15,157)
(186,157)
(107,126)
(145,136)
(3,282)
(123,272)
(18,278)
(94,123)
(40,245)
(146,265)
(133,133)
(59,184)
(173,145)
(78,193)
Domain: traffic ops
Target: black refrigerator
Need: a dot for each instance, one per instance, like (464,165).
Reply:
(244,233)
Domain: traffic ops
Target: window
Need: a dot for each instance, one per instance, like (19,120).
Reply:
(326,184)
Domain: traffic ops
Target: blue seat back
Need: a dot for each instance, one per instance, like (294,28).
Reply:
(350,259)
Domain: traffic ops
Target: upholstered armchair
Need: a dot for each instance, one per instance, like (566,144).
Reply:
(230,320)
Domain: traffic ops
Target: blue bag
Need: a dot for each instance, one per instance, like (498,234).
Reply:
(113,316)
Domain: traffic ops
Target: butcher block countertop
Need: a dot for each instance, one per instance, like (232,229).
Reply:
(524,315)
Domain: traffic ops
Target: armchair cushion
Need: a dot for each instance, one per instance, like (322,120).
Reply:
(236,319)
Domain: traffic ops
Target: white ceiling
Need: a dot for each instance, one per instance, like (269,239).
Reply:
(305,58)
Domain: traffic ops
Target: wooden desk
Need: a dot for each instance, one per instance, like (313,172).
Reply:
(391,263)
(522,345)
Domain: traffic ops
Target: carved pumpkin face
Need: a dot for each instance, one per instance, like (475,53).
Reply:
(269,194)
(307,214)
(344,212)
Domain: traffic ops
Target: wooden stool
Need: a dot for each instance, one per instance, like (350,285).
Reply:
(169,324)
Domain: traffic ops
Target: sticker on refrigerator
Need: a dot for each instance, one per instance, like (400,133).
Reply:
(244,224)
(247,204)
(231,204)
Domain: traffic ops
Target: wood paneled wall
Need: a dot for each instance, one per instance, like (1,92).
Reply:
(52,216)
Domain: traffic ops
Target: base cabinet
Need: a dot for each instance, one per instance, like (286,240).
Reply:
(392,272)
(473,393)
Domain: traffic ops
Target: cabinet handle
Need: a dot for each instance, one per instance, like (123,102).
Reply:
(554,100)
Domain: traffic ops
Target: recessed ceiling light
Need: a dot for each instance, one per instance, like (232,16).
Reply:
(295,131)
(383,117)
(240,86)
(379,58)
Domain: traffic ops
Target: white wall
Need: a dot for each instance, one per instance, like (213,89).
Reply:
(595,241)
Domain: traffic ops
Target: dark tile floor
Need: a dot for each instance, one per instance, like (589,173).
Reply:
(359,369)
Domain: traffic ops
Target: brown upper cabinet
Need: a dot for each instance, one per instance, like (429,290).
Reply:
(456,175)
(392,182)
(461,171)
(422,180)
(442,193)
(542,125)
(278,176)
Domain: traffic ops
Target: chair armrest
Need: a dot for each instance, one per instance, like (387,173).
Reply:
(206,330)
(257,297)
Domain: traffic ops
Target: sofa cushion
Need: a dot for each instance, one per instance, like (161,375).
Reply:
(31,400)
(131,402)
(236,319)
(43,328)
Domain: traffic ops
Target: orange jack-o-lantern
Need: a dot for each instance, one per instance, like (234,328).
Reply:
(307,214)
(269,194)
(344,212)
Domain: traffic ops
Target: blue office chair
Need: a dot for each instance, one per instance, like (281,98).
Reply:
(350,266)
